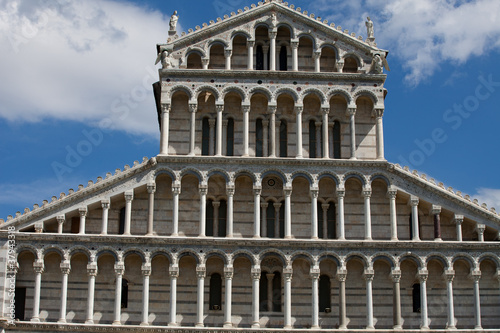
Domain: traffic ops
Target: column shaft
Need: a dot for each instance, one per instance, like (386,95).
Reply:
(176,190)
(201,289)
(414,218)
(165,120)
(129,196)
(314,213)
(255,297)
(38,267)
(246,111)
(65,269)
(326,148)
(192,129)
(299,131)
(341,276)
(219,130)
(92,272)
(83,214)
(230,212)
(352,124)
(476,275)
(380,134)
(256,212)
(369,299)
(105,212)
(118,296)
(272,130)
(288,213)
(393,214)
(203,204)
(396,278)
(272,57)
(145,297)
(340,196)
(287,273)
(250,45)
(315,298)
(151,208)
(368,219)
(295,55)
(174,274)
(423,300)
(449,275)
(228,274)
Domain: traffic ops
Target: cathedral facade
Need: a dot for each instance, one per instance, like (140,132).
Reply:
(269,206)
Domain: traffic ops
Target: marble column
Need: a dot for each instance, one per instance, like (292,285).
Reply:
(449,274)
(151,208)
(228,275)
(129,196)
(218,140)
(173,272)
(230,211)
(92,273)
(65,269)
(368,275)
(341,276)
(211,137)
(396,278)
(480,232)
(246,129)
(325,127)
(295,54)
(60,223)
(105,204)
(176,191)
(458,220)
(317,61)
(272,130)
(165,124)
(146,272)
(314,191)
(340,198)
(475,275)
(38,267)
(378,112)
(203,189)
(119,271)
(200,273)
(227,55)
(367,192)
(250,46)
(83,214)
(287,276)
(287,191)
(414,217)
(205,62)
(391,194)
(298,110)
(423,274)
(272,56)
(314,273)
(435,212)
(255,296)
(351,111)
(257,190)
(192,128)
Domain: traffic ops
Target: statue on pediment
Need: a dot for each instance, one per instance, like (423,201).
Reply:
(173,21)
(369,28)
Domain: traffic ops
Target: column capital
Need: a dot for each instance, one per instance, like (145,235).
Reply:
(413,201)
(367,192)
(119,268)
(151,188)
(216,204)
(369,274)
(314,191)
(396,275)
(287,191)
(230,191)
(287,273)
(435,209)
(325,206)
(256,272)
(475,275)
(92,269)
(203,189)
(250,43)
(39,226)
(228,272)
(325,110)
(245,108)
(65,267)
(294,43)
(60,219)
(193,107)
(146,269)
(211,123)
(257,190)
(38,266)
(299,109)
(264,205)
(314,273)
(277,206)
(318,124)
(316,54)
(273,34)
(272,108)
(129,195)
(351,111)
(497,275)
(173,271)
(265,123)
(341,274)
(205,61)
(480,228)
(105,203)
(458,219)
(165,108)
(422,275)
(391,193)
(228,53)
(449,274)
(340,192)
(378,112)
(176,189)
(201,271)
(82,211)
(219,107)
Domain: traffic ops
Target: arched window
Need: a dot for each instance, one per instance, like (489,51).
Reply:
(283,58)
(325,304)
(328,59)
(124,293)
(270,219)
(209,218)
(205,137)
(277,292)
(312,139)
(194,61)
(217,58)
(121,225)
(336,139)
(283,139)
(259,57)
(259,139)
(263,292)
(350,65)
(331,221)
(416,297)
(215,298)
(230,137)
(282,220)
(221,232)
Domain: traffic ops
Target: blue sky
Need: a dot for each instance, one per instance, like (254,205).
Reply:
(76,103)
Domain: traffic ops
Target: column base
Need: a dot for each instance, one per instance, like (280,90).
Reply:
(228,325)
(315,327)
(174,235)
(116,322)
(287,327)
(478,327)
(35,320)
(126,234)
(353,158)
(199,325)
(288,237)
(89,322)
(370,327)
(62,321)
(368,239)
(438,239)
(397,327)
(342,327)
(394,239)
(451,328)
(144,324)
(256,236)
(315,238)
(255,325)
(172,325)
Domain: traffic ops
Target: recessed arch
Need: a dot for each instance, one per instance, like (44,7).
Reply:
(316,92)
(329,174)
(237,90)
(366,93)
(217,41)
(189,253)
(245,254)
(260,90)
(191,171)
(217,254)
(180,88)
(286,91)
(206,88)
(340,92)
(217,171)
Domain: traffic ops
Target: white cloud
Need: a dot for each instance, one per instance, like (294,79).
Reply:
(426,33)
(79,60)
(490,196)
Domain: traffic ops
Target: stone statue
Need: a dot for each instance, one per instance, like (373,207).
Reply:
(173,21)
(369,28)
(165,58)
(274,19)
(377,65)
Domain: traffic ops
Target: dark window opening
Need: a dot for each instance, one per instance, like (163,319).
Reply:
(205,140)
(20,305)
(320,219)
(124,293)
(350,65)
(222,219)
(331,219)
(283,59)
(282,220)
(215,296)
(209,218)
(312,139)
(324,294)
(121,225)
(263,292)
(416,297)
(283,139)
(259,139)
(277,292)
(230,137)
(270,219)
(336,139)
(259,58)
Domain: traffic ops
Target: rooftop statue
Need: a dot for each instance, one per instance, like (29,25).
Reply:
(173,21)
(369,28)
